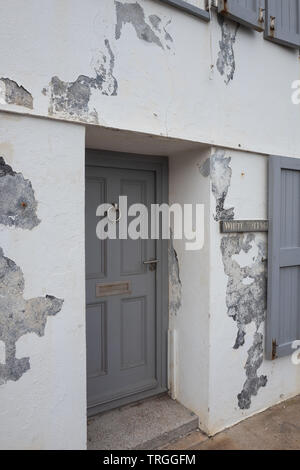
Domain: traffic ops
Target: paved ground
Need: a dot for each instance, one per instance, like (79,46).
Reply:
(275,429)
(144,425)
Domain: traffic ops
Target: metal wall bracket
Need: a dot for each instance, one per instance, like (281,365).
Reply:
(241,226)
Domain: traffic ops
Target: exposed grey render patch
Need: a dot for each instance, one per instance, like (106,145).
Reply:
(72,99)
(175,286)
(12,93)
(253,382)
(17,202)
(133,14)
(205,168)
(246,303)
(220,173)
(226,59)
(19,317)
(153,32)
(168,37)
(156,22)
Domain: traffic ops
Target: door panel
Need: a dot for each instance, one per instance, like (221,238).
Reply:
(134,252)
(97,344)
(133,333)
(95,248)
(121,329)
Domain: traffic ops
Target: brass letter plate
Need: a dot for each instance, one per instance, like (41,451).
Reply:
(113,288)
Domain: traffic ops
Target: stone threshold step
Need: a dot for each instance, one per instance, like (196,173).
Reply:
(146,425)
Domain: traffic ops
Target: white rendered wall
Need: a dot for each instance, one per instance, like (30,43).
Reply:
(175,92)
(46,407)
(189,324)
(206,372)
(247,195)
(170,84)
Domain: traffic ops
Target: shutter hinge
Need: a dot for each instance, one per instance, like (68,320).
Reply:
(213,3)
(223,6)
(274,350)
(272,23)
(261,17)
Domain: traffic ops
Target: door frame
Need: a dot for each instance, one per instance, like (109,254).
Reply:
(158,165)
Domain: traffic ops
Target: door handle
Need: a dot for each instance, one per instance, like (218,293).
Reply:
(152,264)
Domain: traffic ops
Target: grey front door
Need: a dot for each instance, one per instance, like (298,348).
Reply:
(121,314)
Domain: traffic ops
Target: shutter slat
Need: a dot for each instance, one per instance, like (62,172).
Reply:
(249,13)
(289,257)
(188,8)
(283,22)
(283,312)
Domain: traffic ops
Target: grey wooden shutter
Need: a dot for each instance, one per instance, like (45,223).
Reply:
(283,22)
(188,8)
(283,311)
(247,12)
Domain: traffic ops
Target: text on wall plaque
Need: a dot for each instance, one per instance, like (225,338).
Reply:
(240,226)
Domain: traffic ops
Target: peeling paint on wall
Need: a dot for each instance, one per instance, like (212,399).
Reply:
(220,173)
(226,58)
(72,99)
(253,382)
(132,13)
(17,201)
(155,21)
(168,37)
(19,317)
(103,64)
(175,286)
(204,168)
(157,25)
(246,295)
(12,93)
(246,303)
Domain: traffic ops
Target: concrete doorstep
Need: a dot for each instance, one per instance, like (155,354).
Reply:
(145,425)
(163,424)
